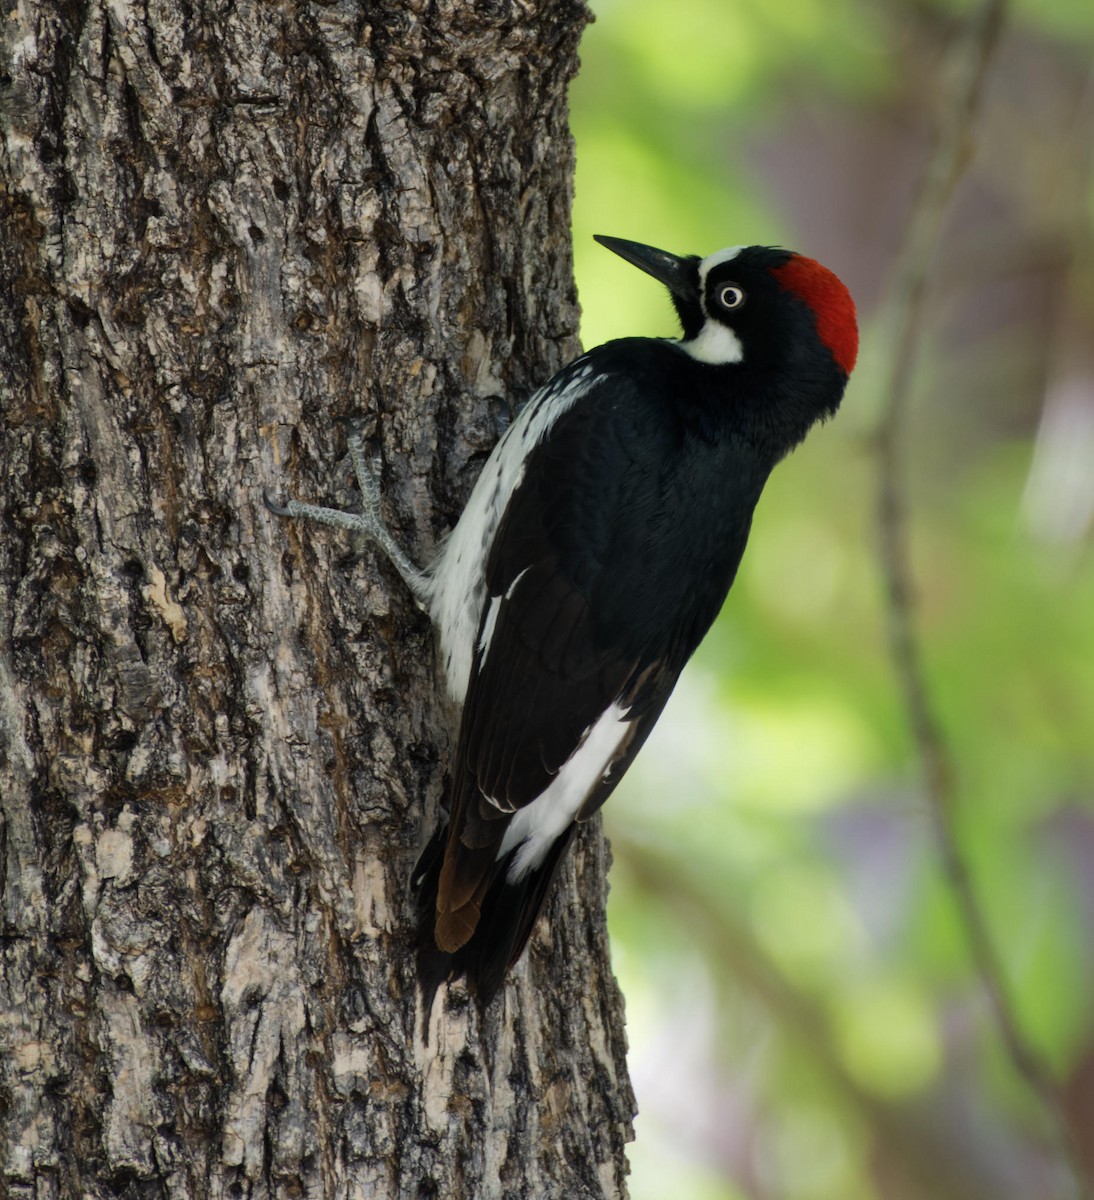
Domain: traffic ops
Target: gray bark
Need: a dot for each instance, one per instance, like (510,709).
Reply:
(225,228)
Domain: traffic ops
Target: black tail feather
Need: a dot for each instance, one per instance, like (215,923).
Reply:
(509,913)
(434,966)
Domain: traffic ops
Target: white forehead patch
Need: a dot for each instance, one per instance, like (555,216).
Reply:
(715,342)
(716,260)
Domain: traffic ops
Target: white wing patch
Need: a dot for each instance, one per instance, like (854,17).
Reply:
(487,635)
(535,827)
(458,575)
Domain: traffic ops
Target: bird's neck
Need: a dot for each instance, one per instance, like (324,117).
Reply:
(714,344)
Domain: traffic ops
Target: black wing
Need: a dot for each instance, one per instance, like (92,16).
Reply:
(592,603)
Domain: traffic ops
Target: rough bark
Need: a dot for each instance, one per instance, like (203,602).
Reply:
(225,228)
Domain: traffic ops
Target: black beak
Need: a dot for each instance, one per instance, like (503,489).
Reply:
(677,274)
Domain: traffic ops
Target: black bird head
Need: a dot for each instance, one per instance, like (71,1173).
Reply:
(779,319)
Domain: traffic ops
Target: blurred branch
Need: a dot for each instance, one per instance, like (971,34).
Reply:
(951,154)
(936,1156)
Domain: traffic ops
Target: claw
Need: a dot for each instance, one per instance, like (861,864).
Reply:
(367,523)
(279,509)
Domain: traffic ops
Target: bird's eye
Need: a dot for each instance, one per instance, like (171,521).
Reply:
(731,296)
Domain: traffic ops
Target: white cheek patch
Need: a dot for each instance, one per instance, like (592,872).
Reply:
(535,827)
(716,343)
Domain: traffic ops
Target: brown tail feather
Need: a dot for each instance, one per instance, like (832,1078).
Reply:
(455,928)
(464,877)
(502,921)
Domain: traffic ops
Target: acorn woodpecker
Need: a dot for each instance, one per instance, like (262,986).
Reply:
(594,553)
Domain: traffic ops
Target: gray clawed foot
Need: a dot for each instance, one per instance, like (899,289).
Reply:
(367,476)
(280,510)
(367,522)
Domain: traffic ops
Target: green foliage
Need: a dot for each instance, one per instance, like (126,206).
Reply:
(798,980)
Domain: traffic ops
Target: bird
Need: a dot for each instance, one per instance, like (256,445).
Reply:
(595,551)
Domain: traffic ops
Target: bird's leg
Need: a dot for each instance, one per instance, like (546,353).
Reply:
(368,522)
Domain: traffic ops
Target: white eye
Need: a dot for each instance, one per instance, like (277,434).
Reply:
(731,296)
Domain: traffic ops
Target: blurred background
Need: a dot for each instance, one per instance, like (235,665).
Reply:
(805,1022)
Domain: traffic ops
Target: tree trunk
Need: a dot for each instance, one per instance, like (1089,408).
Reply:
(225,228)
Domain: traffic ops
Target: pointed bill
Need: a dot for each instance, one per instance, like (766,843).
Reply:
(677,273)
